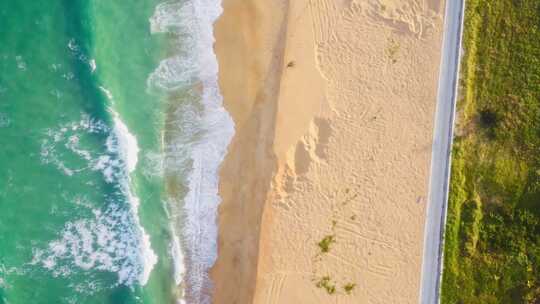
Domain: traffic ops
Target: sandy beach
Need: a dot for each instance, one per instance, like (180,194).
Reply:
(325,183)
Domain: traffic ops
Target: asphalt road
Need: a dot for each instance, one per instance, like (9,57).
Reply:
(441,153)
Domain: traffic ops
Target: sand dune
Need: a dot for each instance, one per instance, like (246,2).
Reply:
(334,103)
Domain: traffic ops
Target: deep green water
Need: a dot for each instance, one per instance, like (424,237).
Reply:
(74,96)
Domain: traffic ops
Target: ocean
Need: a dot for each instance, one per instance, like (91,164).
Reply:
(112,131)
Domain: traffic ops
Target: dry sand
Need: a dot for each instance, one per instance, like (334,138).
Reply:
(333,102)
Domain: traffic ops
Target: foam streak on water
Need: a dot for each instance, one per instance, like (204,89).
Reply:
(112,239)
(201,133)
(128,151)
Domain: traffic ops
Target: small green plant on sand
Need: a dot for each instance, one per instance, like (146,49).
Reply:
(349,287)
(326,242)
(392,50)
(326,283)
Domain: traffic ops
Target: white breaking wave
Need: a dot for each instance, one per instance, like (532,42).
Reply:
(105,242)
(201,133)
(106,92)
(126,145)
(128,150)
(92,64)
(113,240)
(178,258)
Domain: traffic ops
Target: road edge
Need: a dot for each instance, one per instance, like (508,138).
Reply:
(431,276)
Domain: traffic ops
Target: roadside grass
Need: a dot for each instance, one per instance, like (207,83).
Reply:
(492,240)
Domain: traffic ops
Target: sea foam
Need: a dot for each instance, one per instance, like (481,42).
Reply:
(4,120)
(201,131)
(178,258)
(113,239)
(128,150)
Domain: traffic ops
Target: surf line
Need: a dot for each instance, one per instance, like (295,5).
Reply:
(203,132)
(127,149)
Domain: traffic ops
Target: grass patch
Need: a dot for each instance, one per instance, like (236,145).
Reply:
(326,283)
(392,50)
(326,242)
(492,241)
(349,287)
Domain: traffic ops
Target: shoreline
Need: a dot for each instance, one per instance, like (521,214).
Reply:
(197,132)
(333,142)
(249,77)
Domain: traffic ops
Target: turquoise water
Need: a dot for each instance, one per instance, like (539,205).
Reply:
(111,134)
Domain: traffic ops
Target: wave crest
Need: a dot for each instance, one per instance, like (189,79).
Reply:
(200,130)
(113,240)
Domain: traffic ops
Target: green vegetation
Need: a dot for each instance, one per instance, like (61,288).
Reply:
(392,50)
(338,215)
(325,243)
(349,288)
(492,242)
(326,283)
